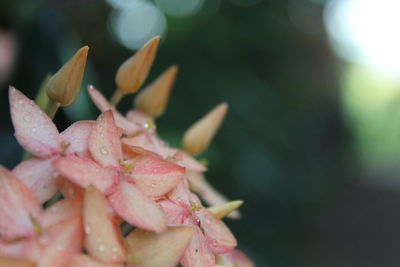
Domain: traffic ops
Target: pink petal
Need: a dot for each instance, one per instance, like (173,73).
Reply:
(60,211)
(103,238)
(130,203)
(180,195)
(198,254)
(17,207)
(85,172)
(39,176)
(102,103)
(25,249)
(66,240)
(77,137)
(235,257)
(34,130)
(155,176)
(82,260)
(153,250)
(14,249)
(175,215)
(151,142)
(70,190)
(199,184)
(219,237)
(138,117)
(5,261)
(104,141)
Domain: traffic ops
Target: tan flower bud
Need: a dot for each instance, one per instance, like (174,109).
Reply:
(220,211)
(154,98)
(198,137)
(133,72)
(64,86)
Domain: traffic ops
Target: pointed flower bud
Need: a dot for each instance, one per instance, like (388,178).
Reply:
(64,86)
(199,135)
(220,211)
(154,98)
(133,72)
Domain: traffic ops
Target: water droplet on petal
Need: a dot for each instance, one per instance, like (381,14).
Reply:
(34,130)
(87,229)
(20,102)
(102,248)
(103,150)
(27,118)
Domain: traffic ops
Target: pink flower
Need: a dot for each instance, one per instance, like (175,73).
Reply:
(129,184)
(211,236)
(37,134)
(138,133)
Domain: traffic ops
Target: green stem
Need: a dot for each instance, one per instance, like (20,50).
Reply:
(117,96)
(52,108)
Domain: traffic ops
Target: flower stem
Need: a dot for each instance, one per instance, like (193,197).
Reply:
(51,108)
(117,96)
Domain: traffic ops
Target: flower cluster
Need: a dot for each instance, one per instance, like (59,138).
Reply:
(109,192)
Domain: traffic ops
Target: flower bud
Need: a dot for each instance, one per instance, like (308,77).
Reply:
(64,86)
(154,98)
(133,72)
(220,211)
(198,137)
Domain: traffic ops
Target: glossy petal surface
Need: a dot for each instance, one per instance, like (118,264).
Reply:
(85,172)
(197,254)
(17,207)
(153,250)
(66,239)
(82,260)
(102,235)
(219,237)
(76,137)
(60,211)
(39,176)
(104,141)
(130,203)
(155,176)
(33,128)
(102,103)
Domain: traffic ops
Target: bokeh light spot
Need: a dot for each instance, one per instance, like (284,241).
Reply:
(180,8)
(137,23)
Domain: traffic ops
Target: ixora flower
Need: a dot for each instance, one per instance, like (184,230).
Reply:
(69,203)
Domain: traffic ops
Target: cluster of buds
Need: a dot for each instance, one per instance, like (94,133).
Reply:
(109,192)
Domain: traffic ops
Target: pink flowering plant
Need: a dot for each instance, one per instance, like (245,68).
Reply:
(110,192)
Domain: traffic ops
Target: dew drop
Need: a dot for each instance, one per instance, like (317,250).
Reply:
(103,150)
(27,118)
(153,185)
(114,249)
(87,229)
(102,248)
(34,130)
(20,102)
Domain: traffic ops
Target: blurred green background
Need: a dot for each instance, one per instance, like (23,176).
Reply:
(311,140)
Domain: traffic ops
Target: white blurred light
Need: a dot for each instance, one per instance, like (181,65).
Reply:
(366,31)
(137,23)
(122,3)
(180,8)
